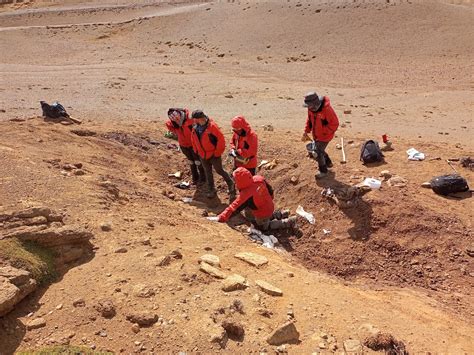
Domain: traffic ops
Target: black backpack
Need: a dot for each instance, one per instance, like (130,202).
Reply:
(448,184)
(56,110)
(370,152)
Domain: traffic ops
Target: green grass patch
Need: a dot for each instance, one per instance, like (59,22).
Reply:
(38,260)
(62,350)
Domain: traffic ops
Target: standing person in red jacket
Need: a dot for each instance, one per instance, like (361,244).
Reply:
(322,122)
(244,145)
(209,143)
(256,194)
(180,124)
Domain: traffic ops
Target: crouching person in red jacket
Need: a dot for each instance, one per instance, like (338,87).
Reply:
(180,124)
(256,194)
(322,123)
(209,143)
(244,145)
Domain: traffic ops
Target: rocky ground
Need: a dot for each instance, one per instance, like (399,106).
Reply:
(137,266)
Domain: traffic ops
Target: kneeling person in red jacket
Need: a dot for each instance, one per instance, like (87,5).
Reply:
(322,123)
(256,194)
(244,145)
(209,143)
(180,124)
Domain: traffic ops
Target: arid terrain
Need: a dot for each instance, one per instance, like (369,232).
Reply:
(127,276)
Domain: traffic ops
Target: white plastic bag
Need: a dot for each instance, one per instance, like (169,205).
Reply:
(309,216)
(374,184)
(413,154)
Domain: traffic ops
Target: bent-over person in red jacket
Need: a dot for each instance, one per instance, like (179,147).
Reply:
(322,123)
(243,145)
(180,124)
(256,194)
(209,143)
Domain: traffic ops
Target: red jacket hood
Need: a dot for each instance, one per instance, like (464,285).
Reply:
(239,122)
(326,101)
(243,178)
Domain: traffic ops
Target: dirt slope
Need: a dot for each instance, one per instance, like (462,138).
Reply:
(397,262)
(147,224)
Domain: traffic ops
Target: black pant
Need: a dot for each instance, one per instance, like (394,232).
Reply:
(197,171)
(323,157)
(216,163)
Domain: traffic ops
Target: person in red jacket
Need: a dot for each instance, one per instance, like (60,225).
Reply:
(181,125)
(256,194)
(209,143)
(322,123)
(244,145)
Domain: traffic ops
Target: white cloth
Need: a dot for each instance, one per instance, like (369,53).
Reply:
(309,216)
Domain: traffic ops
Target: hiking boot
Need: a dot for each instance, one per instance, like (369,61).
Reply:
(211,194)
(292,222)
(320,175)
(281,214)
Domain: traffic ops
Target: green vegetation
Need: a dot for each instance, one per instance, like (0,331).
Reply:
(63,350)
(39,261)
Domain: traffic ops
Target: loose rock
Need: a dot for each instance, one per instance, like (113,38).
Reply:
(143,319)
(106,227)
(135,328)
(210,259)
(284,334)
(234,329)
(79,302)
(208,269)
(143,291)
(234,282)
(219,336)
(36,323)
(268,288)
(385,174)
(106,308)
(121,250)
(353,346)
(164,260)
(397,181)
(252,258)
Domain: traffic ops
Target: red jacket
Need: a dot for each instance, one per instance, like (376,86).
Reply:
(246,144)
(254,192)
(314,123)
(183,132)
(211,143)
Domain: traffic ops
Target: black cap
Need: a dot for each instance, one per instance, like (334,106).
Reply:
(312,99)
(198,114)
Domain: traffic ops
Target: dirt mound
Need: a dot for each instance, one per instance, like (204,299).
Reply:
(400,236)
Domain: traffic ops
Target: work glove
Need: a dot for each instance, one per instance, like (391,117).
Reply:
(324,122)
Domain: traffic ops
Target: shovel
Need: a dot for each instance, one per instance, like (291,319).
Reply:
(343,161)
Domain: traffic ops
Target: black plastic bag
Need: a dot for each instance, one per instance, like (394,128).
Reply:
(449,184)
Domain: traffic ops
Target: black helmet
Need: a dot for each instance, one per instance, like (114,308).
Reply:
(312,100)
(198,114)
